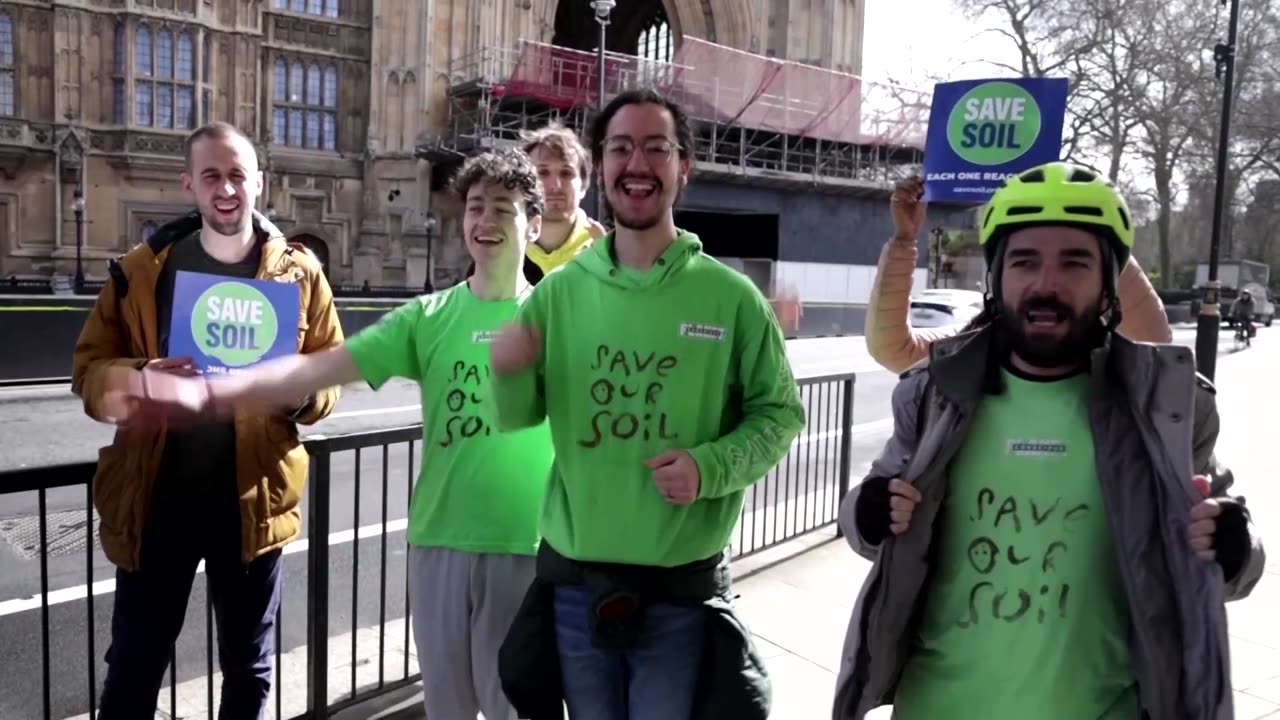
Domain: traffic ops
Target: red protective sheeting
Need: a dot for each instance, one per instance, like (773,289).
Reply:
(731,87)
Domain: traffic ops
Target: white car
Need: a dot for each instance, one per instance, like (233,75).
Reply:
(937,312)
(955,297)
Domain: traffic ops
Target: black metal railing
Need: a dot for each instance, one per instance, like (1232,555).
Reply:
(360,483)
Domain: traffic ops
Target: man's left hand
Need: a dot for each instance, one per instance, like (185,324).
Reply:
(675,473)
(1219,530)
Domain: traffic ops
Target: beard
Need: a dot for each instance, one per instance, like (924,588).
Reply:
(1084,332)
(637,221)
(229,227)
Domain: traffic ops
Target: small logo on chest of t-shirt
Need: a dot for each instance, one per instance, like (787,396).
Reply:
(1037,448)
(704,332)
(483,336)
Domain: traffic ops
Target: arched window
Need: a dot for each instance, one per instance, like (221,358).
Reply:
(142,52)
(655,40)
(331,87)
(164,94)
(8,67)
(120,63)
(164,55)
(304,101)
(324,8)
(186,58)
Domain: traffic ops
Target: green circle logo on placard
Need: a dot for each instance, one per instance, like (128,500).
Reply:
(994,123)
(235,323)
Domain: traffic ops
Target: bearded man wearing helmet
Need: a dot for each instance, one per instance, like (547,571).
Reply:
(1050,535)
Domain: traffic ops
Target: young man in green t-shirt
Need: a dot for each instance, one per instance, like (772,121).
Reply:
(473,518)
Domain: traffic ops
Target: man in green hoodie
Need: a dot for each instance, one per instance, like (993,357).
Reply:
(665,378)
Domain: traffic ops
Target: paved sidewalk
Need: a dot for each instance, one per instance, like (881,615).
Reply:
(799,609)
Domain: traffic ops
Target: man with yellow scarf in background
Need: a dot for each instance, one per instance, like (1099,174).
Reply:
(563,168)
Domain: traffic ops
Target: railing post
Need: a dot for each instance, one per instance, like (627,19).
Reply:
(318,586)
(846,441)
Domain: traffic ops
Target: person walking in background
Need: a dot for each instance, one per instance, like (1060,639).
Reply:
(665,379)
(226,493)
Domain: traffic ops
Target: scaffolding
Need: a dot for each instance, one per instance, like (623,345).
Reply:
(756,119)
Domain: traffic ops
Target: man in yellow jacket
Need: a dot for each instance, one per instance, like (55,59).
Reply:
(227,494)
(896,346)
(564,167)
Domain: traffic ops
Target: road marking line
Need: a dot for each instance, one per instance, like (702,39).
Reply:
(103,587)
(373,411)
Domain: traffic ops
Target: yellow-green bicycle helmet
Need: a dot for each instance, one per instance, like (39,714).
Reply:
(1058,193)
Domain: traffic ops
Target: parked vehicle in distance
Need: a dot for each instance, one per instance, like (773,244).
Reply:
(972,298)
(937,312)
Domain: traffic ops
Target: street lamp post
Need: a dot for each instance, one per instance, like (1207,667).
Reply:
(602,9)
(1209,322)
(430,226)
(77,207)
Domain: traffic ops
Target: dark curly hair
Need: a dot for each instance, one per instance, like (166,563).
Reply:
(640,96)
(509,167)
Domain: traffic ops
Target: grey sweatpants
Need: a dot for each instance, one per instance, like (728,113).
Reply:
(462,605)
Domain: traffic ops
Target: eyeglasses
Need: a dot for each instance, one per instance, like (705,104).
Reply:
(656,150)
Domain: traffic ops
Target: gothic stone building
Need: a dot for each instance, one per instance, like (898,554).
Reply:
(96,97)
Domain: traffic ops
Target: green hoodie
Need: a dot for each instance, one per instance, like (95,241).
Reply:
(686,355)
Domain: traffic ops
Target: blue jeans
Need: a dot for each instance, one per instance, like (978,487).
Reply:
(151,604)
(654,680)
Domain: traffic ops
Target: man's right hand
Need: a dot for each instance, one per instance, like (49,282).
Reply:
(516,348)
(163,392)
(885,506)
(908,208)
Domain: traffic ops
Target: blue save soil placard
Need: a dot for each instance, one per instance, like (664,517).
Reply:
(983,131)
(225,324)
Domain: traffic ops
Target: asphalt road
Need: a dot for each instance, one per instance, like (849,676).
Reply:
(47,426)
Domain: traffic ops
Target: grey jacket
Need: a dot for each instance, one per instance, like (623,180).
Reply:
(1154,420)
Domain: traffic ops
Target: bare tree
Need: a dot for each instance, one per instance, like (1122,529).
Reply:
(1100,47)
(1169,111)
(1254,145)
(1111,79)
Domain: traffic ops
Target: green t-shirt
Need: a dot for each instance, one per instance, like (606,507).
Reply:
(478,490)
(1026,615)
